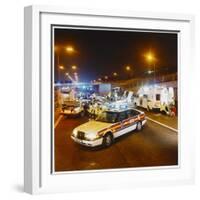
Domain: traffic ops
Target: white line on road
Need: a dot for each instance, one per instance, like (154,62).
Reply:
(57,121)
(173,129)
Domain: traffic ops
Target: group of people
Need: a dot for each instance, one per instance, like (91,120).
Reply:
(95,110)
(169,109)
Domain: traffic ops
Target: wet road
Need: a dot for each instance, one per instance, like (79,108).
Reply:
(155,145)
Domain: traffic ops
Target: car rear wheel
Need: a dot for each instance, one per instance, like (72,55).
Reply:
(107,140)
(139,126)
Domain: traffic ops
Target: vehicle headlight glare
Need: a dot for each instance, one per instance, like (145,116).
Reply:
(74,133)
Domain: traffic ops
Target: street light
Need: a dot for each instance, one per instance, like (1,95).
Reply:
(106,77)
(74,67)
(115,74)
(69,49)
(128,68)
(129,71)
(61,67)
(151,59)
(150,71)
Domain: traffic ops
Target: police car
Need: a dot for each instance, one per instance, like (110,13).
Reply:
(107,126)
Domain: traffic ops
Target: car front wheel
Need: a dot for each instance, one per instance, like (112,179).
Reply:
(139,126)
(107,140)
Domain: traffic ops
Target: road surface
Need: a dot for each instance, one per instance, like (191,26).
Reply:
(155,145)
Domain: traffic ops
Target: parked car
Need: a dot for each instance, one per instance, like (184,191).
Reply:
(107,126)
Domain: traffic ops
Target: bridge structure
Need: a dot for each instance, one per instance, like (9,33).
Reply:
(169,80)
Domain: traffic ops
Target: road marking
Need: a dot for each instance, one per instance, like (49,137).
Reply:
(173,129)
(57,121)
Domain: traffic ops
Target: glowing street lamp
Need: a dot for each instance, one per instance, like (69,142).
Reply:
(115,74)
(69,49)
(150,57)
(151,60)
(106,77)
(128,68)
(61,67)
(74,67)
(150,71)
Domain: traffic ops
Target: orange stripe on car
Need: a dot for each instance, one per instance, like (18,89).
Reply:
(117,126)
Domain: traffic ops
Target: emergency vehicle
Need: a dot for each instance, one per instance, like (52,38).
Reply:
(107,126)
(72,108)
(67,94)
(154,97)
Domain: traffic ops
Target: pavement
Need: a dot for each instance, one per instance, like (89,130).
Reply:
(155,145)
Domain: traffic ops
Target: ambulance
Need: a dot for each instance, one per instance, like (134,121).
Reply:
(155,97)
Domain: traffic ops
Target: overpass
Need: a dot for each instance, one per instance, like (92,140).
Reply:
(134,84)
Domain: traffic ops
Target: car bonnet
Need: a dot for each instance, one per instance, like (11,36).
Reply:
(93,126)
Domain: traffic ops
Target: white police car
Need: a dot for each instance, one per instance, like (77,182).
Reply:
(107,126)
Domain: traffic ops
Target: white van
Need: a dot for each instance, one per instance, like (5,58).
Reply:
(155,98)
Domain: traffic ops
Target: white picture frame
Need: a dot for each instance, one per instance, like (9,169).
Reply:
(38,176)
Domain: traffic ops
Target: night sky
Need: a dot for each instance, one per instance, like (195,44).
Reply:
(101,52)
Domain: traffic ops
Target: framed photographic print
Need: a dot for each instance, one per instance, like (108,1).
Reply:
(105,97)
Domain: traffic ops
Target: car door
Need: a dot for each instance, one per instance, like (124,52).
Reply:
(128,124)
(121,117)
(131,121)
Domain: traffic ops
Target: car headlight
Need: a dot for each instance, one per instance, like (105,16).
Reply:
(74,132)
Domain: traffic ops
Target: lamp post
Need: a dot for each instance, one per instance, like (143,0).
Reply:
(56,51)
(61,67)
(151,59)
(70,49)
(74,67)
(129,70)
(105,78)
(115,74)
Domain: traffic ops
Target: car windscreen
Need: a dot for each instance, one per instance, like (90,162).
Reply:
(109,117)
